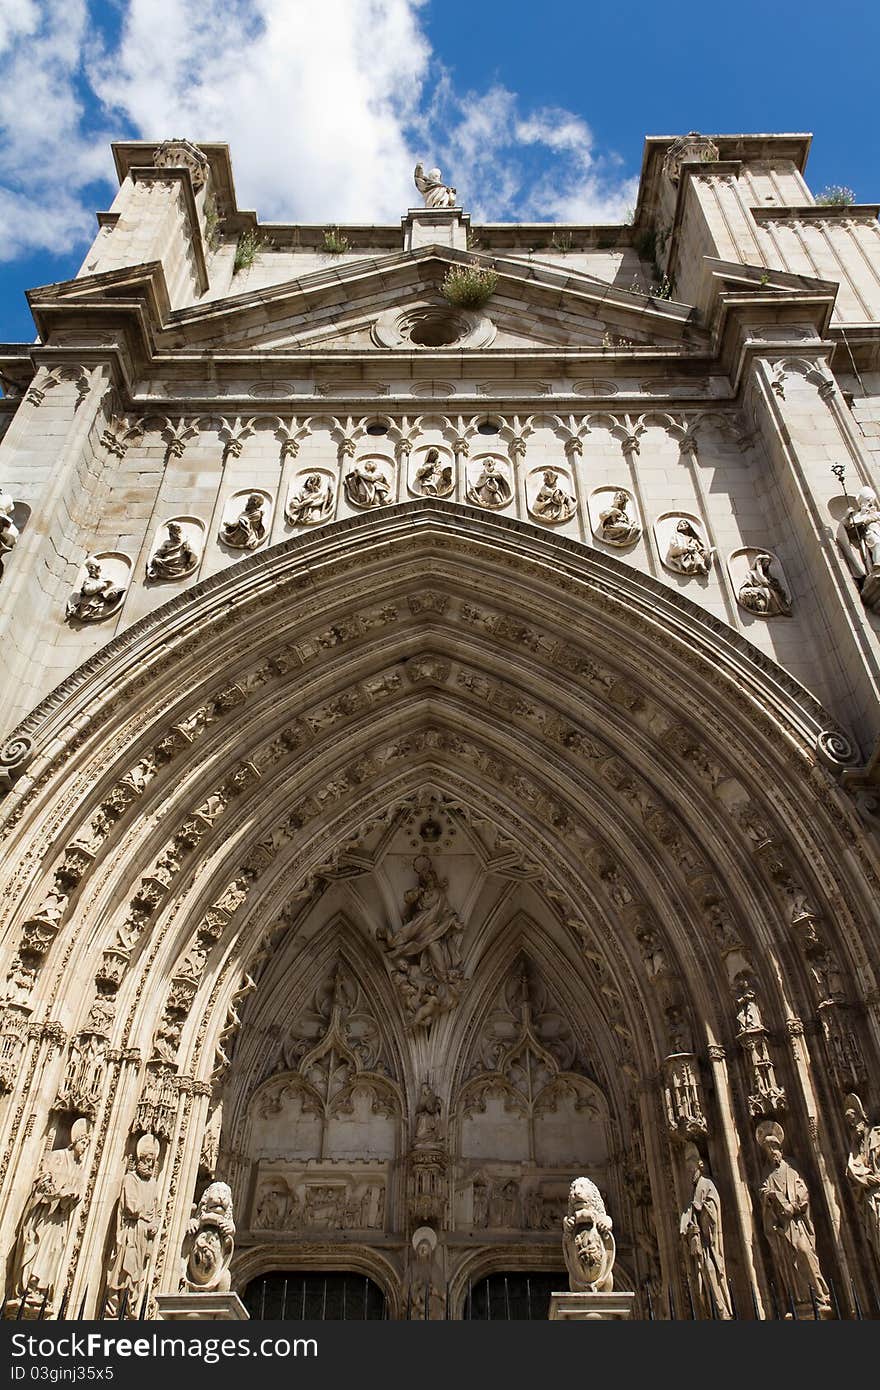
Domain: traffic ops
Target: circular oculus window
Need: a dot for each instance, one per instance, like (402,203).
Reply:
(432,326)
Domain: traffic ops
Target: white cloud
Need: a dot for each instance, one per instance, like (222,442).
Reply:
(326,105)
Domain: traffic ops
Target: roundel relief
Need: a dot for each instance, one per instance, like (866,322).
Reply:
(489,482)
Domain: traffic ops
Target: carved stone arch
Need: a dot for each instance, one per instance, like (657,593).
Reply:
(250,1263)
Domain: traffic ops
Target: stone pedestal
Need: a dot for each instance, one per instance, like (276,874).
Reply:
(205,1307)
(591,1307)
(435,227)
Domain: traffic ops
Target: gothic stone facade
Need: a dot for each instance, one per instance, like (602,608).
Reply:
(440,745)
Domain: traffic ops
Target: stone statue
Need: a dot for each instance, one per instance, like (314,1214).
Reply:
(429,1112)
(762,593)
(211,1235)
(863,1169)
(46,1221)
(703,1240)
(859,537)
(687,552)
(587,1243)
(616,526)
(137,1217)
(425,952)
(491,488)
(311,502)
(435,192)
(248,530)
(552,502)
(366,486)
(9,532)
(785,1204)
(434,476)
(425,1285)
(174,558)
(96,597)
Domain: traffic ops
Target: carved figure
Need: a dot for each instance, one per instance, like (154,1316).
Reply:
(859,537)
(311,502)
(587,1243)
(248,530)
(863,1169)
(211,1233)
(366,485)
(9,532)
(174,558)
(687,552)
(703,1240)
(96,597)
(762,592)
(492,487)
(137,1215)
(271,1208)
(434,476)
(785,1204)
(552,502)
(46,1219)
(429,1111)
(425,1285)
(425,951)
(435,192)
(616,526)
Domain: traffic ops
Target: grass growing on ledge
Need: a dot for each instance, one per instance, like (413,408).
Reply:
(335,244)
(468,286)
(246,250)
(835,196)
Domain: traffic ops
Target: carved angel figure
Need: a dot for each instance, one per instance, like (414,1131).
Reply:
(863,1169)
(137,1218)
(174,558)
(96,597)
(248,529)
(435,192)
(703,1240)
(785,1204)
(616,526)
(211,1235)
(492,486)
(859,538)
(687,552)
(366,485)
(587,1243)
(552,502)
(311,502)
(434,476)
(762,592)
(46,1220)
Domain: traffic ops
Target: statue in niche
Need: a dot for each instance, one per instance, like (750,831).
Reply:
(762,592)
(435,192)
(859,536)
(271,1212)
(492,486)
(785,1205)
(587,1243)
(175,557)
(426,1283)
(311,502)
(425,952)
(703,1240)
(9,532)
(137,1219)
(366,485)
(96,597)
(429,1118)
(616,526)
(45,1224)
(248,529)
(480,1204)
(210,1236)
(434,476)
(687,551)
(863,1169)
(552,502)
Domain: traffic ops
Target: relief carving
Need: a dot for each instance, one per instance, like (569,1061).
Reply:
(785,1208)
(424,952)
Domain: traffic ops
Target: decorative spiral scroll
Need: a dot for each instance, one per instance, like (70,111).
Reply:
(15,753)
(835,748)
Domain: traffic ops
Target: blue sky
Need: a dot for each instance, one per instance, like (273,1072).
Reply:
(534,111)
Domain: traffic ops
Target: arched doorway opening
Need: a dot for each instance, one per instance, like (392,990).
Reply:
(314,1296)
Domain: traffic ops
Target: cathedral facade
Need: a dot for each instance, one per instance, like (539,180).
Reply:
(439,752)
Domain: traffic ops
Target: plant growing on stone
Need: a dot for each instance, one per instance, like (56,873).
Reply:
(836,196)
(335,244)
(212,225)
(246,249)
(468,286)
(561,241)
